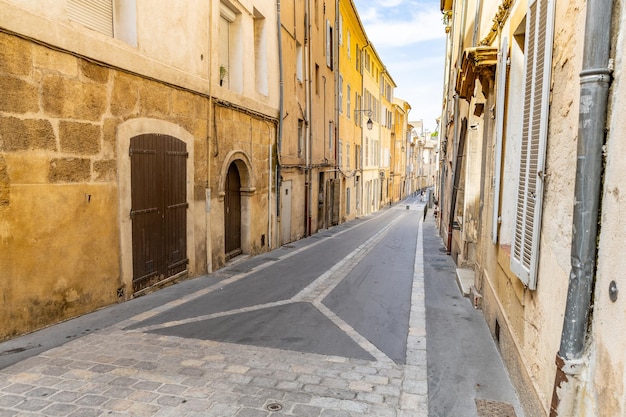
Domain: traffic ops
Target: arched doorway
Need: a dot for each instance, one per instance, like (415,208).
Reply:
(232,213)
(158,208)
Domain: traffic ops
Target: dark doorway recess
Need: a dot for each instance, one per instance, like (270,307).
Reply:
(232,213)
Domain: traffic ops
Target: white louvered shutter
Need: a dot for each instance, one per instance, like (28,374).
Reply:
(94,14)
(500,97)
(539,37)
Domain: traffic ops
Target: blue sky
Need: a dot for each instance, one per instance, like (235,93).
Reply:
(409,37)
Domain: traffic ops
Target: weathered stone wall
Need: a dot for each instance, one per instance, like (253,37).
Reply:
(244,139)
(59,223)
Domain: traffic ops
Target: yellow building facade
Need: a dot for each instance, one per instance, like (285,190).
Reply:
(353,117)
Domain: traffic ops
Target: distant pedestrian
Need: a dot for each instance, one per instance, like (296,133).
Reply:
(425,211)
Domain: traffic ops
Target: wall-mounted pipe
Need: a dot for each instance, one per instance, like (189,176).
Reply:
(595,80)
(281,110)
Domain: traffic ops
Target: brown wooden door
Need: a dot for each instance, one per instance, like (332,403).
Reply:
(158,208)
(232,213)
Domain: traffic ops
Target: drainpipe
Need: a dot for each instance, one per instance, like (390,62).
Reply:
(209,136)
(337,119)
(363,133)
(281,110)
(595,79)
(309,144)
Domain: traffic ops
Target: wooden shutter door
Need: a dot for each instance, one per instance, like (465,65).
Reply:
(158,208)
(175,206)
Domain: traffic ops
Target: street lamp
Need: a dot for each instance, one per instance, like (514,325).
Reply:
(369,122)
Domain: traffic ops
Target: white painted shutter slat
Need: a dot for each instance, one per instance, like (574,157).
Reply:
(94,14)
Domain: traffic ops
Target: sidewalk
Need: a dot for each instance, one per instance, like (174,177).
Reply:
(466,376)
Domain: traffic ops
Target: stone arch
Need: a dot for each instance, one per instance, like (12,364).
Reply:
(242,161)
(248,189)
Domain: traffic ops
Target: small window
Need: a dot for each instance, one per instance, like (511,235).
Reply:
(300,136)
(340,30)
(96,15)
(340,154)
(329,44)
(230,53)
(260,54)
(114,18)
(348,94)
(299,61)
(340,96)
(317,79)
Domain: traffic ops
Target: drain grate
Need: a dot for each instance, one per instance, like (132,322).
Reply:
(489,408)
(274,407)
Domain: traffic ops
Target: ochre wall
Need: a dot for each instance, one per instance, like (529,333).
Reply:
(59,200)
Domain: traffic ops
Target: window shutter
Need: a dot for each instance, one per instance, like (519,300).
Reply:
(340,30)
(329,61)
(340,95)
(539,37)
(500,97)
(94,14)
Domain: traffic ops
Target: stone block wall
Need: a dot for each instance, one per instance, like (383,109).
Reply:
(59,199)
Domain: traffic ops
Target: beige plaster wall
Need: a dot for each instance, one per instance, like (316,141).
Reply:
(185,67)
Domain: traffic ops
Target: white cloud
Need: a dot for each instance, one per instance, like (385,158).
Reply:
(409,37)
(392,31)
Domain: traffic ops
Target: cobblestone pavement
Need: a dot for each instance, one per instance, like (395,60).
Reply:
(117,372)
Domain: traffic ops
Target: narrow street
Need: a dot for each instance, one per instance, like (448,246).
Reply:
(332,325)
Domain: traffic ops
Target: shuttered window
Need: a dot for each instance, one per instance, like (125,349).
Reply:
(340,95)
(539,36)
(329,44)
(94,14)
(114,18)
(500,97)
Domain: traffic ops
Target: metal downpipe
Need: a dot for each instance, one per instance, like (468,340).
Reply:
(595,79)
(279,132)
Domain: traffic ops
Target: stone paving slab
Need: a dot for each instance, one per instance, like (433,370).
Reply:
(132,373)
